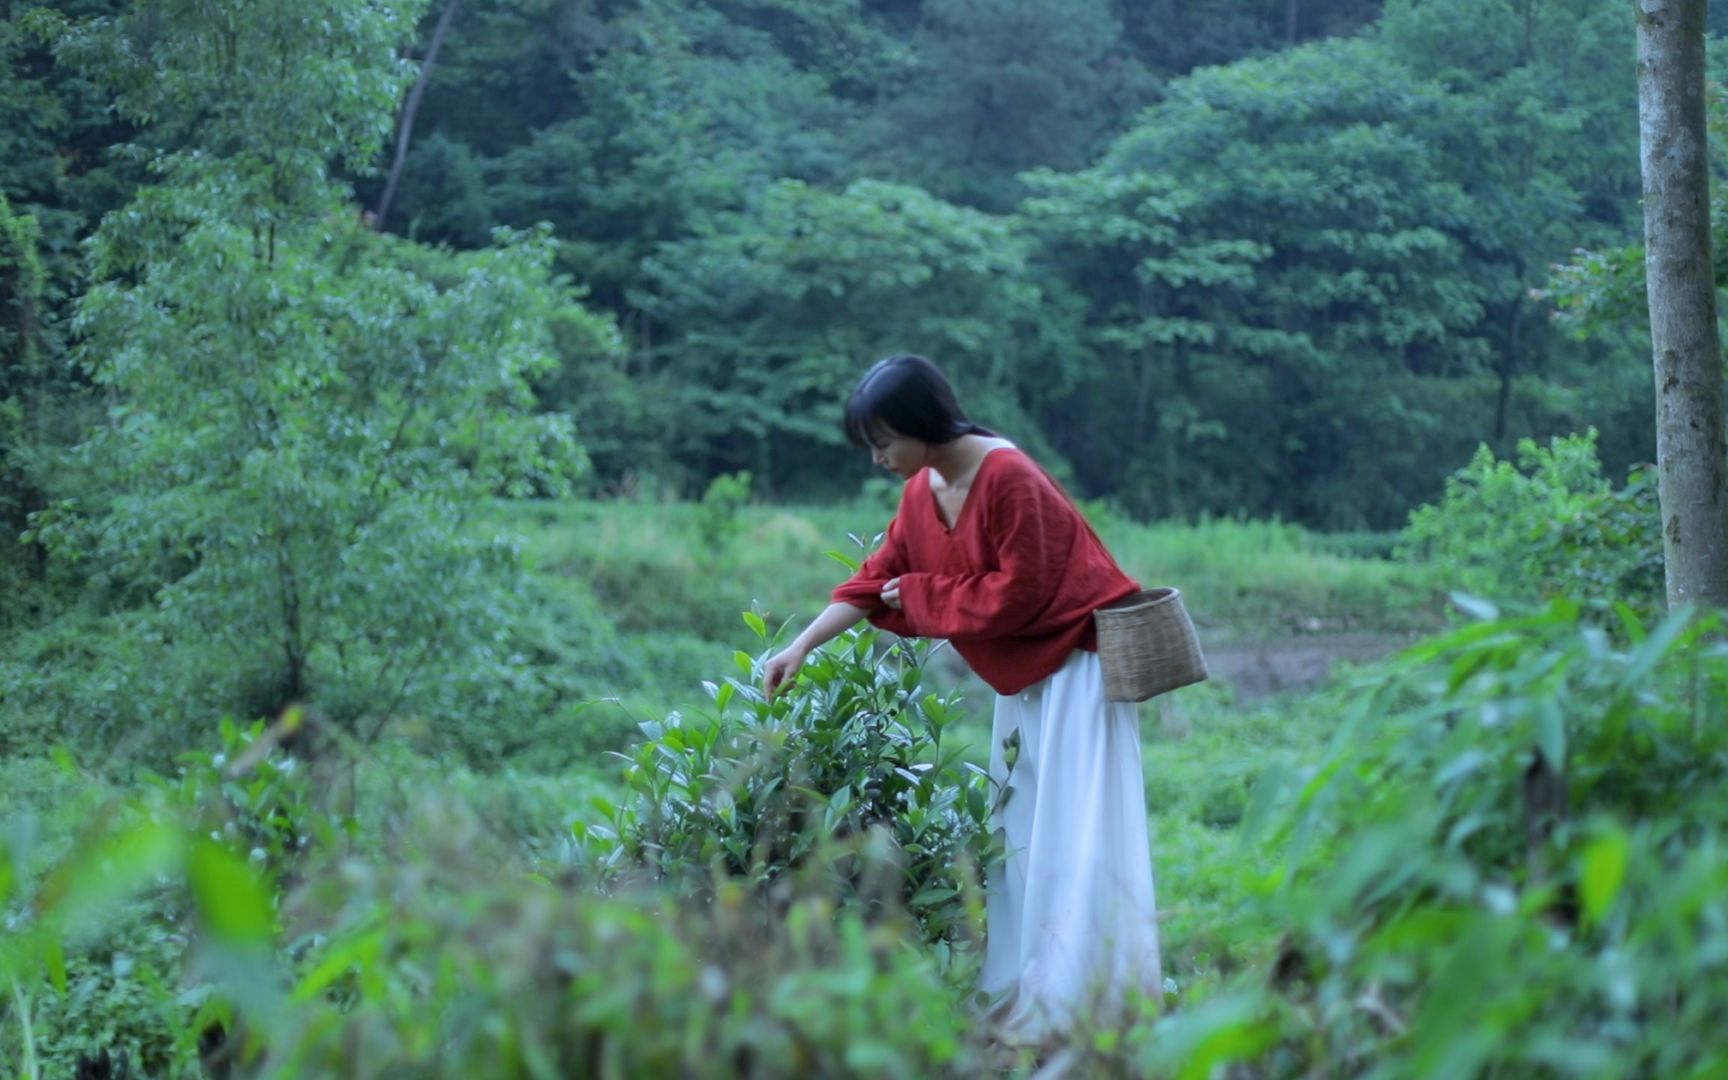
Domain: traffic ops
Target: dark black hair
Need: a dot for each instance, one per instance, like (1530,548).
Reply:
(907,394)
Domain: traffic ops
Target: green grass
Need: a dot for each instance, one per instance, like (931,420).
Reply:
(659,588)
(1203,755)
(651,569)
(1256,579)
(654,571)
(652,596)
(667,587)
(669,569)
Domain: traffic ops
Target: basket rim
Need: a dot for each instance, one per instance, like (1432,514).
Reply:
(1145,598)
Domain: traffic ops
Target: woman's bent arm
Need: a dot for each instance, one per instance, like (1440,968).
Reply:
(783,666)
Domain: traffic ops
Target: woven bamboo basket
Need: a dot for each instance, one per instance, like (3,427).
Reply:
(1148,645)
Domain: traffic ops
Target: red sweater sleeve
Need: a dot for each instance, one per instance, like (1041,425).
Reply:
(864,588)
(1032,531)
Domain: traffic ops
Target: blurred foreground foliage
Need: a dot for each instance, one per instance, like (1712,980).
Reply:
(1512,860)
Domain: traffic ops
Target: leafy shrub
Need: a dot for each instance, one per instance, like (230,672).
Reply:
(114,999)
(1511,860)
(1547,525)
(258,800)
(717,520)
(77,675)
(531,702)
(283,534)
(758,789)
(1610,547)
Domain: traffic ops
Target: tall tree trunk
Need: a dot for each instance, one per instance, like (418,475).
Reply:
(405,129)
(1508,369)
(1690,447)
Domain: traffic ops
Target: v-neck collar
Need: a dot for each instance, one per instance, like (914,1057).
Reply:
(971,490)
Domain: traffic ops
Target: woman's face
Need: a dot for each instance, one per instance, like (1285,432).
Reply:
(900,454)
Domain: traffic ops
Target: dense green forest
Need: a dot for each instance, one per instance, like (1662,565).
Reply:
(1227,258)
(1285,259)
(401,402)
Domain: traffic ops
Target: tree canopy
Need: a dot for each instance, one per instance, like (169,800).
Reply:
(1357,205)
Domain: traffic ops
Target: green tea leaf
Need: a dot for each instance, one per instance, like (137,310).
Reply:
(54,959)
(843,559)
(1602,871)
(232,898)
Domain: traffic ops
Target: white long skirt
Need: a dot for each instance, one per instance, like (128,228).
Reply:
(1072,920)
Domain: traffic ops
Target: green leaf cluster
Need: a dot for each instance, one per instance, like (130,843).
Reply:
(845,779)
(1548,524)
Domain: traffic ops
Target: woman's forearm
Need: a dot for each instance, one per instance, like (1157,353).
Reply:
(782,668)
(834,619)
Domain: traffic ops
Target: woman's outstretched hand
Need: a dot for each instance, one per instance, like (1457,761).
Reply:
(783,667)
(780,670)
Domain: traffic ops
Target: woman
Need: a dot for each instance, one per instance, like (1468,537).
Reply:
(988,552)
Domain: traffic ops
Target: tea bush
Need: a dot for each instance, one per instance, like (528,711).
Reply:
(756,789)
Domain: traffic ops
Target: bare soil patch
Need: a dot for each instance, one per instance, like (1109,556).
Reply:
(1257,669)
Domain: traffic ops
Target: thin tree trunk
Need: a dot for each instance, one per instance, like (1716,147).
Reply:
(1142,402)
(1690,447)
(405,129)
(1508,369)
(1184,373)
(1292,10)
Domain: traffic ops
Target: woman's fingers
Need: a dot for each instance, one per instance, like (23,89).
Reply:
(778,671)
(891,594)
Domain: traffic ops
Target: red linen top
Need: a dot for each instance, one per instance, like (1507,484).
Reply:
(1013,585)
